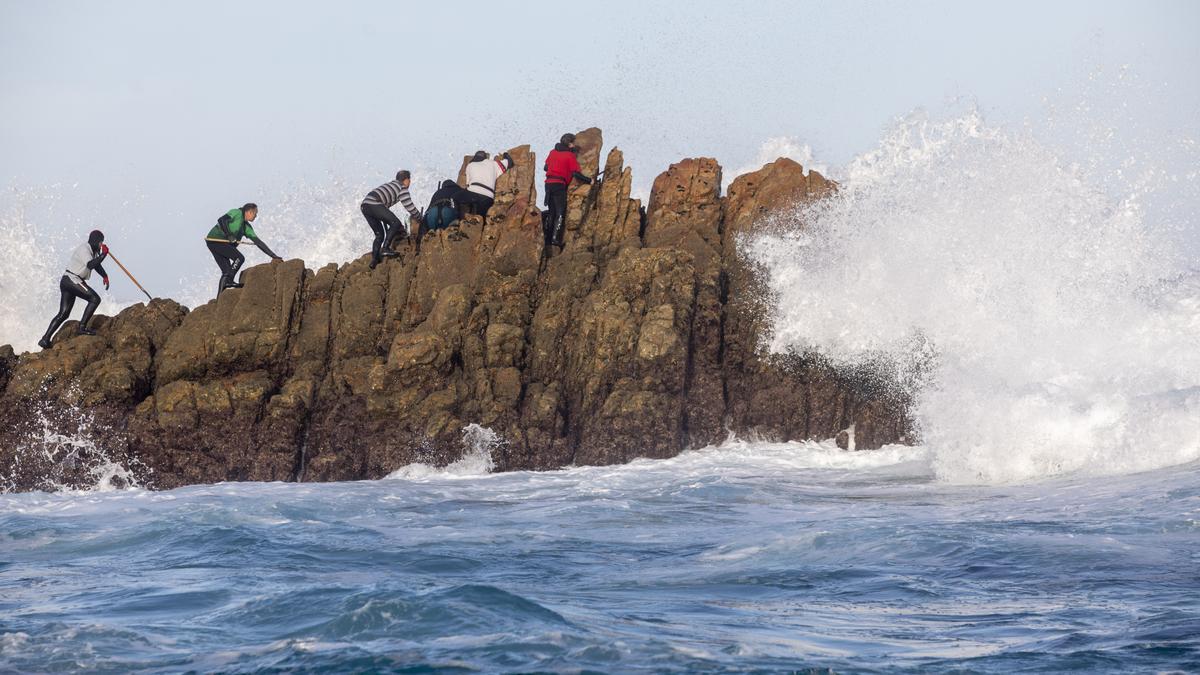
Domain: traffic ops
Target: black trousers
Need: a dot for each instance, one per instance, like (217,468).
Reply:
(385,224)
(473,200)
(69,289)
(556,200)
(228,258)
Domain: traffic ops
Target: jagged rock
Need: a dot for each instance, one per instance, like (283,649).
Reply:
(643,337)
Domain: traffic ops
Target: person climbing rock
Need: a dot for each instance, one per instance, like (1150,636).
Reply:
(443,207)
(84,260)
(223,241)
(482,172)
(561,167)
(377,209)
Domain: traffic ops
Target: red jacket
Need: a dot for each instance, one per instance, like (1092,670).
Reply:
(561,166)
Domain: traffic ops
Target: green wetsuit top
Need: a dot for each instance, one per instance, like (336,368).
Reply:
(230,229)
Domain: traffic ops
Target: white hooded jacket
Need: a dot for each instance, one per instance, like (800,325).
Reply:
(77,266)
(482,175)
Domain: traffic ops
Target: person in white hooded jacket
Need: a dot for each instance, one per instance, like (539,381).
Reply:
(482,172)
(85,259)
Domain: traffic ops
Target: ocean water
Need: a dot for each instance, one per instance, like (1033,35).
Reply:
(750,556)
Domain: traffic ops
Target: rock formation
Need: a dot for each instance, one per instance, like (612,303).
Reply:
(642,338)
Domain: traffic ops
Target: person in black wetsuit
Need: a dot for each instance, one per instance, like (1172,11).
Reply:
(223,241)
(561,168)
(84,259)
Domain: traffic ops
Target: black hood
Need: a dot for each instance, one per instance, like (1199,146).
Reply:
(562,147)
(448,184)
(480,156)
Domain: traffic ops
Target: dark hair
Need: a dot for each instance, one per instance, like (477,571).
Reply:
(403,175)
(567,139)
(250,206)
(480,155)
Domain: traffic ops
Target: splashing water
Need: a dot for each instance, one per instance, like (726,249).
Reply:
(317,222)
(775,148)
(65,451)
(324,224)
(479,443)
(1062,324)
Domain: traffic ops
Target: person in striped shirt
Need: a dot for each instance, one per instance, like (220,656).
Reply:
(376,208)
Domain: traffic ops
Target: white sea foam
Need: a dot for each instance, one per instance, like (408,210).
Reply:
(1050,327)
(478,444)
(67,451)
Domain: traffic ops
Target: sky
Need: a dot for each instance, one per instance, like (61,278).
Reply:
(149,119)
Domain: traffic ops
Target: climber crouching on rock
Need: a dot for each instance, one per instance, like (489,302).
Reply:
(377,209)
(73,284)
(443,208)
(223,241)
(482,172)
(561,167)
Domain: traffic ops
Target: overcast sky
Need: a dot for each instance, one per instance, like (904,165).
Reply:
(149,119)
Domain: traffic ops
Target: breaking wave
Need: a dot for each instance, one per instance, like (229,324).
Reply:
(1048,324)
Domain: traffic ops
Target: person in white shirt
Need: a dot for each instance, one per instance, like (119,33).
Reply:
(482,173)
(85,258)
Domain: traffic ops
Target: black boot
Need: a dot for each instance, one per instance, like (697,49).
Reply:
(84,330)
(223,283)
(558,232)
(44,343)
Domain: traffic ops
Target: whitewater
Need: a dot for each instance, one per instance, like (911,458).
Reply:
(1037,310)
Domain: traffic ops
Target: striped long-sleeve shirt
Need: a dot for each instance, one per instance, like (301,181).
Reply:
(390,193)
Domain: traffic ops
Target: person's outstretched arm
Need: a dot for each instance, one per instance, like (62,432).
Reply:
(407,202)
(263,247)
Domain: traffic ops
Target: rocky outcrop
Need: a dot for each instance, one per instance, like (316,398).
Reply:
(642,338)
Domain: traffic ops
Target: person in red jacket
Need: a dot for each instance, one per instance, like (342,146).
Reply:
(561,167)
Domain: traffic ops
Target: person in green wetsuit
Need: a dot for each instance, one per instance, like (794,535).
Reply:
(223,240)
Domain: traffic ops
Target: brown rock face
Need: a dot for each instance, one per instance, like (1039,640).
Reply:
(642,338)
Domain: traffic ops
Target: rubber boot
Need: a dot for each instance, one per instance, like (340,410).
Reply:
(559,227)
(84,330)
(223,283)
(45,343)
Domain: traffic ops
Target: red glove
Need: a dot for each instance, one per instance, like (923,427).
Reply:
(106,283)
(104,251)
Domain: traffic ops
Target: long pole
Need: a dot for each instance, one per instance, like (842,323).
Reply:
(140,287)
(131,278)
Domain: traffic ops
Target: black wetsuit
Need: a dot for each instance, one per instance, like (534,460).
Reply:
(386,225)
(222,243)
(69,288)
(228,258)
(556,203)
(475,202)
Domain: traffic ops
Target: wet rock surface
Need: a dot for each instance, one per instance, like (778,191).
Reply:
(643,337)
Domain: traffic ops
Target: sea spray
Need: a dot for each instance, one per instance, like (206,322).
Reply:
(318,222)
(479,443)
(1062,325)
(67,449)
(322,222)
